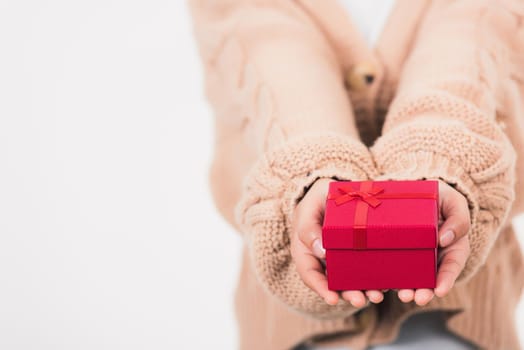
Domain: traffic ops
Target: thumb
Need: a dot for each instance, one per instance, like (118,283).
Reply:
(313,240)
(455,212)
(309,217)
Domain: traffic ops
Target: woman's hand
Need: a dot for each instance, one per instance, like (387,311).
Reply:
(454,245)
(307,251)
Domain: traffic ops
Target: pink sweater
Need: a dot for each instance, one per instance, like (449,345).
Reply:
(298,95)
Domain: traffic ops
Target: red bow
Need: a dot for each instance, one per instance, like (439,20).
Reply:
(347,193)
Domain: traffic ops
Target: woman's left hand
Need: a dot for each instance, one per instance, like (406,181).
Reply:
(454,246)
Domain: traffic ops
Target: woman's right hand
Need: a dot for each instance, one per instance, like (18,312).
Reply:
(307,250)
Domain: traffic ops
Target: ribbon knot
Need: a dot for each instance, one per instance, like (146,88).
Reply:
(347,193)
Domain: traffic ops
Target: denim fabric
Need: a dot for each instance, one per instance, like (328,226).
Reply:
(421,331)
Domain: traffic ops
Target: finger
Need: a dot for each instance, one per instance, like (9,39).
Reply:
(406,295)
(454,208)
(313,240)
(375,296)
(423,296)
(308,228)
(452,262)
(311,272)
(355,297)
(308,222)
(446,278)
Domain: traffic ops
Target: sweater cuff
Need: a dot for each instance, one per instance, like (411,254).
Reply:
(487,184)
(271,191)
(430,166)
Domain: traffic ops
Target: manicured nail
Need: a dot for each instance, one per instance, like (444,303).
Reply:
(447,238)
(318,250)
(441,290)
(331,300)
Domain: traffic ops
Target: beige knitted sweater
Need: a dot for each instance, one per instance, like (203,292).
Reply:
(298,95)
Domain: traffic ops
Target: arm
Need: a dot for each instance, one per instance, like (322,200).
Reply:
(273,79)
(444,121)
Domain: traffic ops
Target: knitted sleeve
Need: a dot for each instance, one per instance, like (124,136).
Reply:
(273,79)
(445,120)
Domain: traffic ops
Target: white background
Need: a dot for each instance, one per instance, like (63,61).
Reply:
(108,236)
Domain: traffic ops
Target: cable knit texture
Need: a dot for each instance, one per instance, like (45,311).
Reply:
(442,124)
(272,190)
(446,102)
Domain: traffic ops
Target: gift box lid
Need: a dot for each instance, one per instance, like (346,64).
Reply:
(381,215)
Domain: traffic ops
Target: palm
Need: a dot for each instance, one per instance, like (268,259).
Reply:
(452,255)
(453,252)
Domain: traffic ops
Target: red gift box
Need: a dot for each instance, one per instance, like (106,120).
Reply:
(381,234)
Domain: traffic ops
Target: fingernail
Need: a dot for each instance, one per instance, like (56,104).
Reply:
(331,298)
(447,238)
(318,250)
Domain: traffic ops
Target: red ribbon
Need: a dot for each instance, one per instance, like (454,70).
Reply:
(367,195)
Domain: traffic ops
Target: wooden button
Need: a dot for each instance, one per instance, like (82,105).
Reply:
(361,75)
